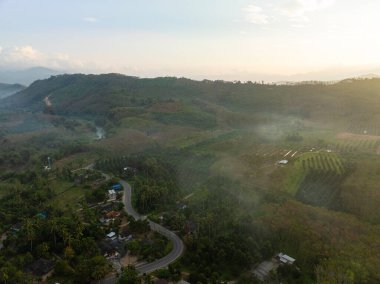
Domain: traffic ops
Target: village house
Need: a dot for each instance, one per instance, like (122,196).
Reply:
(285,259)
(116,187)
(41,267)
(113,214)
(112,236)
(112,195)
(263,269)
(112,249)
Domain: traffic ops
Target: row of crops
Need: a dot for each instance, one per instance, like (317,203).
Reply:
(354,146)
(318,178)
(363,128)
(321,161)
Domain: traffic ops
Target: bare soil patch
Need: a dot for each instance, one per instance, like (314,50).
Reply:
(351,136)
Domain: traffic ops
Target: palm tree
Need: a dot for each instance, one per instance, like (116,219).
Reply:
(66,235)
(30,231)
(78,228)
(54,228)
(4,275)
(147,278)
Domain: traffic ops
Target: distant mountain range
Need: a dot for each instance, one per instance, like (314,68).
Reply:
(26,76)
(7,90)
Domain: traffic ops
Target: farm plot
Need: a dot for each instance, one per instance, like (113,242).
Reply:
(316,178)
(364,128)
(357,144)
(321,161)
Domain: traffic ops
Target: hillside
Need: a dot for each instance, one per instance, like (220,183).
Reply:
(7,90)
(26,76)
(102,94)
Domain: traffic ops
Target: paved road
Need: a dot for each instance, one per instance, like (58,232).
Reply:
(128,202)
(178,246)
(174,254)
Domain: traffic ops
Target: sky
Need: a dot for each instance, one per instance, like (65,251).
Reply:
(213,39)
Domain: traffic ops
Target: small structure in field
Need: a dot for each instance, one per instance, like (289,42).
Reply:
(111,236)
(285,259)
(262,271)
(283,162)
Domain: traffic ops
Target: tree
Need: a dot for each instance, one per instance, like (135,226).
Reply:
(134,247)
(4,276)
(129,276)
(54,228)
(30,231)
(43,250)
(147,279)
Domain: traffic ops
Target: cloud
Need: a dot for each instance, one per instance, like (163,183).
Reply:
(28,56)
(296,10)
(256,15)
(24,53)
(90,19)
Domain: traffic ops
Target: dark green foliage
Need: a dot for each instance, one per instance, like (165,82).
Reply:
(129,276)
(223,243)
(139,226)
(193,118)
(96,195)
(295,137)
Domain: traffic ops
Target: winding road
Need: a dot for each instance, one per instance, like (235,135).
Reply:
(178,246)
(174,254)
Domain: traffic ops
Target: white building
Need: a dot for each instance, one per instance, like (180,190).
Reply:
(111,194)
(285,259)
(111,235)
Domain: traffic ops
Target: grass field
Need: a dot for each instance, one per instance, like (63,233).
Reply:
(67,195)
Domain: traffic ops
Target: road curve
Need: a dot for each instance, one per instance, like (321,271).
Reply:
(178,246)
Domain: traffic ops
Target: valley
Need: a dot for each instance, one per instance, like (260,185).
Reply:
(239,171)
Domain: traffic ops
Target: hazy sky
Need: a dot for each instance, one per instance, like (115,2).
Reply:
(233,39)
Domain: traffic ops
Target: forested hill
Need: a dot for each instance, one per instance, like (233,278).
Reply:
(101,94)
(9,89)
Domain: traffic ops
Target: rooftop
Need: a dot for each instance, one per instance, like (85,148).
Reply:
(41,266)
(285,258)
(111,235)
